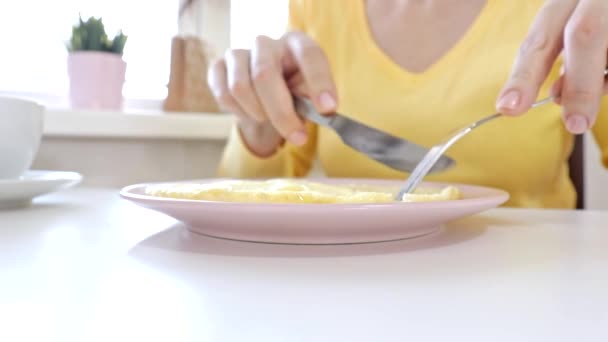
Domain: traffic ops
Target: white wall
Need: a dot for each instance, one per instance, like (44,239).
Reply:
(596,177)
(112,162)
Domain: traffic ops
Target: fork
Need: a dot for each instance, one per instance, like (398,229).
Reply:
(422,169)
(431,157)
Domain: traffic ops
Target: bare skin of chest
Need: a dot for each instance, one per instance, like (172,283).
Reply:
(416,34)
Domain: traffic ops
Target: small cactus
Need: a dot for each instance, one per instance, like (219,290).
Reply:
(91,35)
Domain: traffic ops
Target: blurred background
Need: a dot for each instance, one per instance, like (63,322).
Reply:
(36,32)
(146,138)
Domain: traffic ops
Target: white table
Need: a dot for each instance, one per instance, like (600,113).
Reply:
(84,265)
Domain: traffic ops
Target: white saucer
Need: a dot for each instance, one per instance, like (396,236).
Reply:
(17,193)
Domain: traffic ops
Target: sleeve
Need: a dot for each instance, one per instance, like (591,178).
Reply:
(289,161)
(600,130)
(296,15)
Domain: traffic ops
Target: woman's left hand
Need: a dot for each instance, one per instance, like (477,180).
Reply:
(578,29)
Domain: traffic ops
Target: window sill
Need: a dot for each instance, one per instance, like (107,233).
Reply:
(137,124)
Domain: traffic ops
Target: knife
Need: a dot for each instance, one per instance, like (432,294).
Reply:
(396,153)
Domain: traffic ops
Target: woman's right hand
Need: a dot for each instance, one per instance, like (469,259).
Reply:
(257,85)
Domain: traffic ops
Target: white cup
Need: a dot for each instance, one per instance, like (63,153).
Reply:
(20,134)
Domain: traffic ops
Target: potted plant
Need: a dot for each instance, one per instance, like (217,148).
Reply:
(96,68)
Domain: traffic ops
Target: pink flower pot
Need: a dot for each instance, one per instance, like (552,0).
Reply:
(96,80)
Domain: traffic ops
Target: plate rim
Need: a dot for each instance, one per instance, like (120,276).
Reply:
(499,195)
(70,176)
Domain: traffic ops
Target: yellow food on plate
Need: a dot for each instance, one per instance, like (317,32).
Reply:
(294,191)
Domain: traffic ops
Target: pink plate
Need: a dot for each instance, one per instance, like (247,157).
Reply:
(320,223)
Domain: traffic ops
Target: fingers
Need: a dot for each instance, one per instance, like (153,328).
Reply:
(556,90)
(585,46)
(535,58)
(297,85)
(217,80)
(240,84)
(315,70)
(272,90)
(259,84)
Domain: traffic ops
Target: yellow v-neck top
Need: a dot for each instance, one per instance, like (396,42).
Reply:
(526,156)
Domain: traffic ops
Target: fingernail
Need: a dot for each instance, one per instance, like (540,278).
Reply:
(327,102)
(297,138)
(510,100)
(577,124)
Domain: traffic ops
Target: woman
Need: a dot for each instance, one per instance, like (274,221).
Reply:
(420,69)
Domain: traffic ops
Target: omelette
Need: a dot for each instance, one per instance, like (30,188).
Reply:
(294,191)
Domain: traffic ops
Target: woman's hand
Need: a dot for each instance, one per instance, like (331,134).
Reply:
(257,85)
(579,30)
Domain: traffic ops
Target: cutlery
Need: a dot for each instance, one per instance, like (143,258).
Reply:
(395,152)
(436,152)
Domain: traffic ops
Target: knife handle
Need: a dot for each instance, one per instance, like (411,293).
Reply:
(307,111)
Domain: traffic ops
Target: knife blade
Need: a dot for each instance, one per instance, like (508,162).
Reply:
(394,152)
